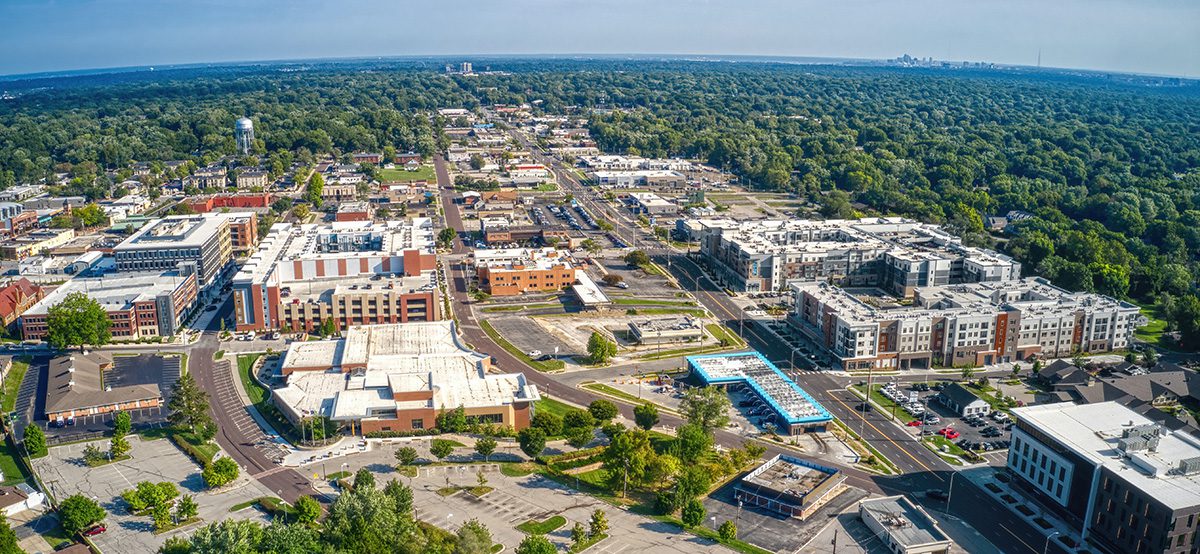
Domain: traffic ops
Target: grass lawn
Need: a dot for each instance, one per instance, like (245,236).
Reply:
(587,543)
(722,333)
(884,403)
(535,527)
(670,311)
(938,441)
(694,351)
(549,365)
(547,187)
(12,382)
(14,471)
(425,173)
(1152,332)
(255,391)
(552,406)
(259,396)
(514,469)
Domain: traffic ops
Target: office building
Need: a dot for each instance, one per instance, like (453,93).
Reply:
(140,305)
(203,240)
(520,270)
(352,273)
(1125,483)
(399,377)
(974,324)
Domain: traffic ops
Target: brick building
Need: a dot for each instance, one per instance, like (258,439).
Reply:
(139,305)
(514,271)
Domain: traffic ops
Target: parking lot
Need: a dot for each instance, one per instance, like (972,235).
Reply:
(65,475)
(921,401)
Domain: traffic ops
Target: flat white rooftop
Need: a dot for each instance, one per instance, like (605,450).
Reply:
(117,292)
(1093,432)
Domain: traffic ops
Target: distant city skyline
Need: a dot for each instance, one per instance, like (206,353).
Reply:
(1160,37)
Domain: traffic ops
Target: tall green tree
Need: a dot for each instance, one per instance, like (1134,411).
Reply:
(8,538)
(473,538)
(485,446)
(600,349)
(707,407)
(645,415)
(77,320)
(532,441)
(79,512)
(34,440)
(189,405)
(626,458)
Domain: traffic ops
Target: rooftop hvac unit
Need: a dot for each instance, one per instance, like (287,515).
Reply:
(1142,430)
(1132,444)
(1188,466)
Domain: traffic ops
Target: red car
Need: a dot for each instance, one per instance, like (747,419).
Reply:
(951,434)
(946,431)
(94,531)
(913,423)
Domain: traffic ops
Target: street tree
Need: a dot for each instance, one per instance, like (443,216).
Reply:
(364,479)
(79,512)
(473,538)
(707,407)
(694,442)
(485,446)
(637,258)
(406,455)
(548,422)
(312,192)
(598,524)
(77,320)
(602,410)
(35,440)
(220,472)
(578,534)
(612,279)
(536,544)
(600,349)
(441,448)
(186,508)
(308,510)
(575,419)
(122,423)
(445,237)
(645,415)
(532,441)
(579,437)
(189,405)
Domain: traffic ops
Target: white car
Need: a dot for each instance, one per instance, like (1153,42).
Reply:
(534,353)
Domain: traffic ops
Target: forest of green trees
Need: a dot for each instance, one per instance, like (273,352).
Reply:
(1110,171)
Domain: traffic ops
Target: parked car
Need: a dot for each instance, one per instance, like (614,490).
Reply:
(937,494)
(914,423)
(95,530)
(534,353)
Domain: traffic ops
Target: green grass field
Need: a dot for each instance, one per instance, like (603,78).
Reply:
(535,527)
(552,406)
(425,173)
(1153,332)
(12,382)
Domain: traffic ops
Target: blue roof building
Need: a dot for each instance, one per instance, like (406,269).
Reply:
(796,411)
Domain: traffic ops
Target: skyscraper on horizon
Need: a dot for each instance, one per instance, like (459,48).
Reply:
(243,132)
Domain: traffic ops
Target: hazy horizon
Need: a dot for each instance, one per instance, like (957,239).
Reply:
(1158,37)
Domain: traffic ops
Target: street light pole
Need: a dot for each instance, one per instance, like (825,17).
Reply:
(1046,548)
(950,492)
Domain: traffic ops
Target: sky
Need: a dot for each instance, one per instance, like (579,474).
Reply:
(1138,36)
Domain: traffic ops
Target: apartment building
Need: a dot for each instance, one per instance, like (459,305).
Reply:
(1124,482)
(351,273)
(243,231)
(163,244)
(961,325)
(508,272)
(894,253)
(139,305)
(253,178)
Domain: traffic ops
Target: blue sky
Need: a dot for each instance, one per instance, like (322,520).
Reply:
(1144,36)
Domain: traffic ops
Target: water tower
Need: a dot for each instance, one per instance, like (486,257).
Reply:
(243,132)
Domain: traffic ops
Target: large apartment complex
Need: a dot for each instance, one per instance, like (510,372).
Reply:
(352,273)
(895,254)
(163,244)
(1127,484)
(961,325)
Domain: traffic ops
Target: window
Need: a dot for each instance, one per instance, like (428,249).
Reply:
(418,424)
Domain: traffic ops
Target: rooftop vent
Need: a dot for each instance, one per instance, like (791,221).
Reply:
(1189,466)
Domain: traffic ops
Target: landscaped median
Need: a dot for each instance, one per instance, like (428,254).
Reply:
(623,396)
(869,458)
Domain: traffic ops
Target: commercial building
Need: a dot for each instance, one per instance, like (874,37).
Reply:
(795,410)
(508,272)
(34,243)
(90,384)
(903,527)
(139,305)
(343,190)
(651,204)
(1124,482)
(894,253)
(242,201)
(353,273)
(789,486)
(666,330)
(353,211)
(399,377)
(163,244)
(638,178)
(15,298)
(243,231)
(963,401)
(972,324)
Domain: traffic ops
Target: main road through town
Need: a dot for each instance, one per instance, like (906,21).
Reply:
(921,469)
